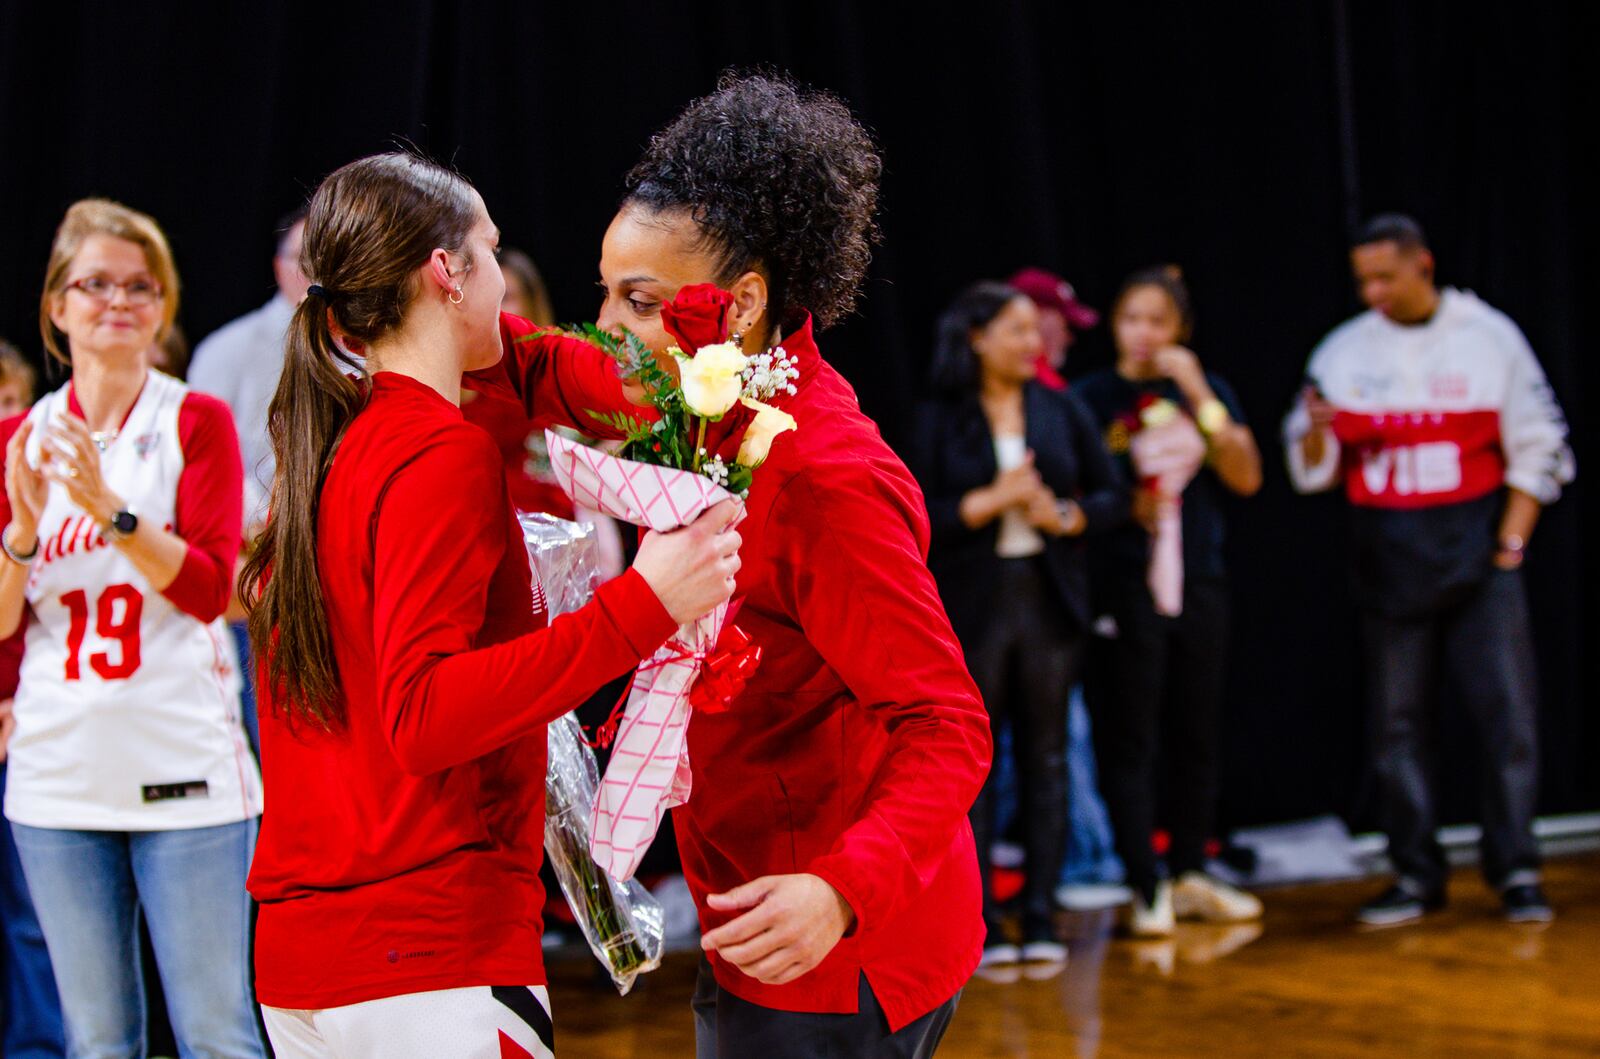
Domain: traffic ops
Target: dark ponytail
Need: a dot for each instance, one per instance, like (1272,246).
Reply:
(370,226)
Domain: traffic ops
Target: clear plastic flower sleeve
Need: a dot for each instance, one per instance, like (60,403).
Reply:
(621,921)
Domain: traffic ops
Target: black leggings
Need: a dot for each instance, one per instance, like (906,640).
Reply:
(1158,685)
(1025,664)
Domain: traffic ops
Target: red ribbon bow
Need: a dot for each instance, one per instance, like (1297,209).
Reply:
(721,679)
(726,672)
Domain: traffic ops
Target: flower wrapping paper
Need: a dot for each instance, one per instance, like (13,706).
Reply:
(649,768)
(1169,456)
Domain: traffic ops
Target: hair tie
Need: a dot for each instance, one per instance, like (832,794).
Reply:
(319,291)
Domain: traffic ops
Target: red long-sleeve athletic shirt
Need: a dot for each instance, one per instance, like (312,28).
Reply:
(401,854)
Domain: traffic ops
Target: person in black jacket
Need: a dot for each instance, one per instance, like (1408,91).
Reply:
(1015,474)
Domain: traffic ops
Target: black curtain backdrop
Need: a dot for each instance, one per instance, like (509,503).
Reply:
(1235,139)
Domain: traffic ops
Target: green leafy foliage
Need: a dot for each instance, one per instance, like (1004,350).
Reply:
(672,439)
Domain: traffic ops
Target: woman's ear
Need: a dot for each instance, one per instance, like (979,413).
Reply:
(58,312)
(748,316)
(437,270)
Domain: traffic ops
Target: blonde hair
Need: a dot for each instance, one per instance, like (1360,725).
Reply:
(88,217)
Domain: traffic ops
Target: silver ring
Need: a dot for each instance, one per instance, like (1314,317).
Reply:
(72,472)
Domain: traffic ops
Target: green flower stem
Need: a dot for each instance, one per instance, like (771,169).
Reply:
(700,443)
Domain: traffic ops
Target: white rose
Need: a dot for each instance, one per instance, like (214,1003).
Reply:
(711,379)
(768,424)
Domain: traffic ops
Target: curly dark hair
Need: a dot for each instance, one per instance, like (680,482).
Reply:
(779,179)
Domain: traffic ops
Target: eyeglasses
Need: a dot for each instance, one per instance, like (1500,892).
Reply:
(139,292)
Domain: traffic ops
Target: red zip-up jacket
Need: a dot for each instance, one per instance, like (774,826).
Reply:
(401,853)
(859,745)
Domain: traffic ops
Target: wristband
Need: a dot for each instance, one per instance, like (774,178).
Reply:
(1212,417)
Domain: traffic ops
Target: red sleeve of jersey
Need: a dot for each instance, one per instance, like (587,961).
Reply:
(210,507)
(11,647)
(441,532)
(8,429)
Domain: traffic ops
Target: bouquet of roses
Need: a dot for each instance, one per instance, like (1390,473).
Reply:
(711,430)
(621,921)
(1167,450)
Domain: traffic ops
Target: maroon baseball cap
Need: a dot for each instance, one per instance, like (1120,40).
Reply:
(1050,291)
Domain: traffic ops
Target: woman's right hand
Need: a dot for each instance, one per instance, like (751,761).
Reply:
(692,569)
(26,489)
(1016,487)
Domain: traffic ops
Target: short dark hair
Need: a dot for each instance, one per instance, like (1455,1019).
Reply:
(955,364)
(778,178)
(1398,228)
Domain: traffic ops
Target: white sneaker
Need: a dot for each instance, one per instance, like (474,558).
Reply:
(1000,954)
(1199,896)
(1044,951)
(1156,919)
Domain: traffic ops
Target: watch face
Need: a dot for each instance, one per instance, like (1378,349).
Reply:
(124,522)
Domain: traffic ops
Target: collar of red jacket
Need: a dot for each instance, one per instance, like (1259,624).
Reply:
(802,349)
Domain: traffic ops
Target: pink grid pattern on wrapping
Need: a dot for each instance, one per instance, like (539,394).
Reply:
(649,768)
(660,498)
(648,772)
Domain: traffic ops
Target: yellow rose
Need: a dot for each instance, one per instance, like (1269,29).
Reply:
(1159,413)
(710,379)
(768,424)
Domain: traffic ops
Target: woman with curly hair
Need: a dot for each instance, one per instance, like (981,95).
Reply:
(827,844)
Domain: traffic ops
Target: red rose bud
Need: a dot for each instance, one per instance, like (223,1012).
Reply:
(698,316)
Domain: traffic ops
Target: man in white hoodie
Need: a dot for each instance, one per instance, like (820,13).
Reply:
(1432,412)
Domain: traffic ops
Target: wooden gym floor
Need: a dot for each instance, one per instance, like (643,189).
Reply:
(1306,983)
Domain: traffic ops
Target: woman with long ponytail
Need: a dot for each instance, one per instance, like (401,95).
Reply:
(407,678)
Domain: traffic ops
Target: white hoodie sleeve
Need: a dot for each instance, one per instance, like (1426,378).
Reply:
(1324,474)
(1533,432)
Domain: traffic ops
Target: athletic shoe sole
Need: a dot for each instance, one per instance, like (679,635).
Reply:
(1000,956)
(1044,952)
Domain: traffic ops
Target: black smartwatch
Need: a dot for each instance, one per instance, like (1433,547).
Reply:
(122,525)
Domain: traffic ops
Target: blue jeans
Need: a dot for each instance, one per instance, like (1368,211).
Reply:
(89,888)
(30,1013)
(247,693)
(1091,851)
(1091,855)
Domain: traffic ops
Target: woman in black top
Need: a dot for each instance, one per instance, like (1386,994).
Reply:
(1177,431)
(1014,475)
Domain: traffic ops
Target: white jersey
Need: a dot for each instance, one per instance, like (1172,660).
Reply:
(128,709)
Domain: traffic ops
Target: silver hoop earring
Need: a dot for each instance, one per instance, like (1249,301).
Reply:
(456,296)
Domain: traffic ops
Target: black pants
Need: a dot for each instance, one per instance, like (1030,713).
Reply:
(1158,685)
(1486,643)
(1025,664)
(726,1027)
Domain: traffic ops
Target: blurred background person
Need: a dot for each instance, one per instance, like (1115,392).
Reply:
(1091,873)
(1061,318)
(130,787)
(17,381)
(241,363)
(30,1012)
(1433,412)
(170,353)
(1179,433)
(1014,473)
